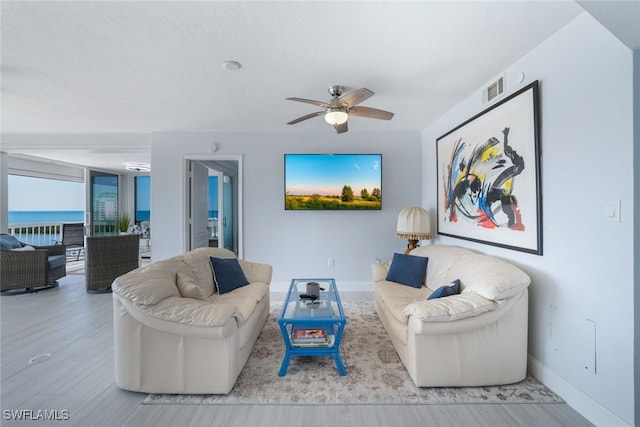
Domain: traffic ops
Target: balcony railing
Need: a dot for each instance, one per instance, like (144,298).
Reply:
(37,234)
(50,234)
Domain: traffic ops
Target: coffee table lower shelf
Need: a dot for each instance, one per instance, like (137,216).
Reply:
(292,350)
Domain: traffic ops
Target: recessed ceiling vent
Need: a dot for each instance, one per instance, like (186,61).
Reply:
(494,89)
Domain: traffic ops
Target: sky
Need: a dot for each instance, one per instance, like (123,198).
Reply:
(38,194)
(326,174)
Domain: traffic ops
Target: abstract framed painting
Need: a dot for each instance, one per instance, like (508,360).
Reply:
(489,176)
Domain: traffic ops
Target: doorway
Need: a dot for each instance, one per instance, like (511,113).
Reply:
(103,203)
(209,223)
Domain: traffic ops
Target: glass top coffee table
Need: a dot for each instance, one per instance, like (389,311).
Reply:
(312,326)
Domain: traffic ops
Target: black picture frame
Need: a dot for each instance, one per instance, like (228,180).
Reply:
(488,175)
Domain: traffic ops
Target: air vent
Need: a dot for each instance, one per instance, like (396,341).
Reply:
(494,89)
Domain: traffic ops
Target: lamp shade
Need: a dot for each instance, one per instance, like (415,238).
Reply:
(413,223)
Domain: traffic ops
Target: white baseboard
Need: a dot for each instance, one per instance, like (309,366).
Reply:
(586,406)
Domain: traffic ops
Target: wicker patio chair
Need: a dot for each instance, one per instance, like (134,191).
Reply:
(73,238)
(108,257)
(24,269)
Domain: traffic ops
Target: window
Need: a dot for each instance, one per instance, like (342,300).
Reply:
(143,198)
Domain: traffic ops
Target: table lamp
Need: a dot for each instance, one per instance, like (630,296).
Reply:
(413,224)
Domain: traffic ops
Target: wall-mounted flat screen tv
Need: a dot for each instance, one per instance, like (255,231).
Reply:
(333,181)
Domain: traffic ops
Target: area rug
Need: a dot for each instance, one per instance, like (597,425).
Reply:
(375,374)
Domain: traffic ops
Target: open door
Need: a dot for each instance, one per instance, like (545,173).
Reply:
(198,206)
(228,230)
(228,223)
(102,214)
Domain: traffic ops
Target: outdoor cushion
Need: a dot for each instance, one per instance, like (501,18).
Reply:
(24,248)
(8,241)
(56,261)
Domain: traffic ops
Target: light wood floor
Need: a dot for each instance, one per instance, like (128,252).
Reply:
(76,328)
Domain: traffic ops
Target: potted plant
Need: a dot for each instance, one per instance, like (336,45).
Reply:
(123,223)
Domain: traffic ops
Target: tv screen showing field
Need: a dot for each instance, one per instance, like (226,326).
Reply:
(333,181)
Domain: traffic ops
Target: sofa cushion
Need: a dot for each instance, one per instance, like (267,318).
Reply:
(396,297)
(454,307)
(150,284)
(489,276)
(187,286)
(188,311)
(227,274)
(255,271)
(442,258)
(449,289)
(245,299)
(9,241)
(408,270)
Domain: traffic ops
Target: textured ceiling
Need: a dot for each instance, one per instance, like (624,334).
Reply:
(139,67)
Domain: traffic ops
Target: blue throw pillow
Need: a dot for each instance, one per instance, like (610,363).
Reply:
(227,274)
(409,270)
(9,241)
(452,288)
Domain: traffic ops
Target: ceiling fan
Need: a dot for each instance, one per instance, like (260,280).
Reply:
(340,107)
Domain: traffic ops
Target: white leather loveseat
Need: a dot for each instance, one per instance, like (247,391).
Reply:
(474,338)
(176,332)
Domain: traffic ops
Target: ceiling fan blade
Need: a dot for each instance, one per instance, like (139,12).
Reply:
(341,128)
(354,97)
(308,116)
(372,113)
(310,101)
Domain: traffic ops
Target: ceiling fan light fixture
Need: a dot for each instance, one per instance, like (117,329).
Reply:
(138,167)
(336,117)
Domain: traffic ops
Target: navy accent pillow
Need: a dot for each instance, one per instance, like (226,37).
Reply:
(452,288)
(408,270)
(227,274)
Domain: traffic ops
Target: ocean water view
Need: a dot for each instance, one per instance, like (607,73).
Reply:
(44,217)
(58,217)
(21,224)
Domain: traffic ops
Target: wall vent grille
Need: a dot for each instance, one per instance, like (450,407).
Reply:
(494,89)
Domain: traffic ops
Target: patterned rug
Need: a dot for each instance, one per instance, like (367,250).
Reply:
(375,374)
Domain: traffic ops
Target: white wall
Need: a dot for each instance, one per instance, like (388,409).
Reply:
(582,287)
(295,243)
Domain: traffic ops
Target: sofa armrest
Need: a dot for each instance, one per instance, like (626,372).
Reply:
(256,272)
(26,268)
(379,270)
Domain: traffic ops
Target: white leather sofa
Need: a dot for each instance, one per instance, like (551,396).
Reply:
(475,338)
(167,343)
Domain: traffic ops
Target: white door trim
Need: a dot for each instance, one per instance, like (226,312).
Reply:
(232,157)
